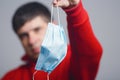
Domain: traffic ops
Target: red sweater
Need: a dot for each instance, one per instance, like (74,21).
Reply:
(83,55)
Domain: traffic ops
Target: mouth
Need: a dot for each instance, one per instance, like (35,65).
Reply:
(36,50)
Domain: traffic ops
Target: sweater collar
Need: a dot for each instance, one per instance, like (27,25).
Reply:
(26,59)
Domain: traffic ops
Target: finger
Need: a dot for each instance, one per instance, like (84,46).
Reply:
(55,2)
(58,3)
(61,3)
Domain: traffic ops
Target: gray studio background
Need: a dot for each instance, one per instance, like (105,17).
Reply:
(105,19)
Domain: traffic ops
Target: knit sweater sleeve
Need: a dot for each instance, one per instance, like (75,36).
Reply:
(86,50)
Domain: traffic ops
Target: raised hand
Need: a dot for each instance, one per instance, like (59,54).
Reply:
(65,3)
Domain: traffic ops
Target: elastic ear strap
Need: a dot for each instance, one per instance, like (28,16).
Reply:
(47,76)
(34,74)
(51,13)
(58,15)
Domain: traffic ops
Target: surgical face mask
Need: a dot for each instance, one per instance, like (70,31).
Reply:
(53,48)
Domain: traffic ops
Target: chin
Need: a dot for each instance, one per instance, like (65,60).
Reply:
(36,56)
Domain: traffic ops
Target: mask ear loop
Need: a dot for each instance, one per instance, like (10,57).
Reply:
(33,78)
(58,15)
(34,75)
(51,14)
(47,76)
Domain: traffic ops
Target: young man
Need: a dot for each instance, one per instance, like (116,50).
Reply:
(83,54)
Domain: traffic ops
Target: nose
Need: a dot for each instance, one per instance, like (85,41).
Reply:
(32,38)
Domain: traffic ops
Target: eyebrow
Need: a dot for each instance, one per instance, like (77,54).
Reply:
(21,34)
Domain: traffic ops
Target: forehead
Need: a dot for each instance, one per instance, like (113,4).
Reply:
(34,23)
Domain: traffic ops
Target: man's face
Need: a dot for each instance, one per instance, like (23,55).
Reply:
(31,35)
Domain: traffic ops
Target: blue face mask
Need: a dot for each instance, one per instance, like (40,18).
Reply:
(53,49)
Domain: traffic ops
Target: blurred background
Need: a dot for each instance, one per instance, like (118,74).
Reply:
(105,19)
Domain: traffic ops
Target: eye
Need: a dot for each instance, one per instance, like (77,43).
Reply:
(37,29)
(23,35)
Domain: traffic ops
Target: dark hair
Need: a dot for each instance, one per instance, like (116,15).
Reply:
(27,12)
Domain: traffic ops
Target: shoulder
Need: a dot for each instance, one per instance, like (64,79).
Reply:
(14,72)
